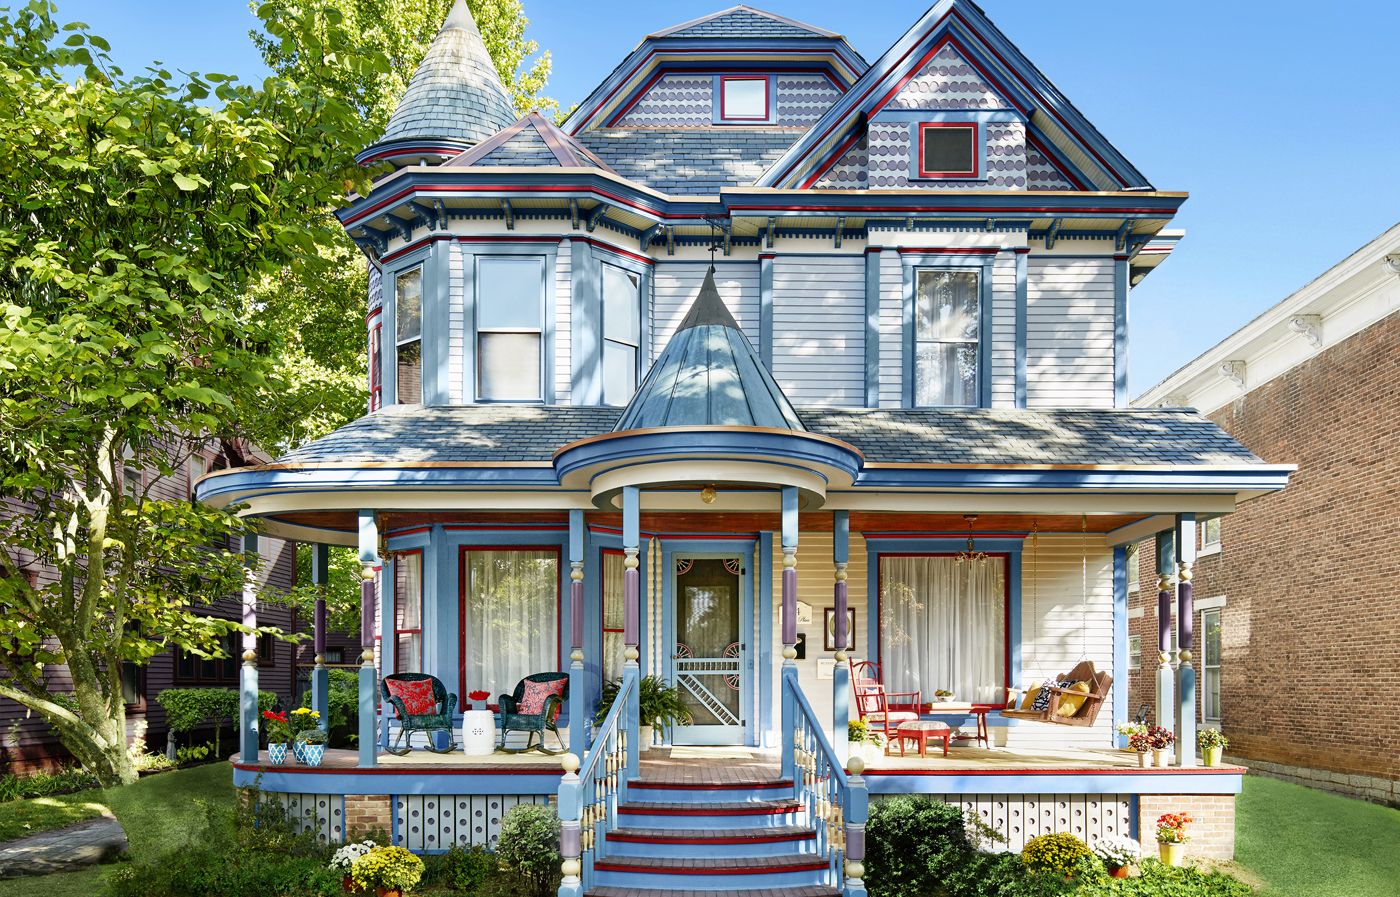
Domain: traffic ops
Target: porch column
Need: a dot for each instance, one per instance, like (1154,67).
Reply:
(1166,568)
(789,624)
(841,674)
(631,620)
(248,674)
(320,676)
(578,742)
(1185,637)
(369,705)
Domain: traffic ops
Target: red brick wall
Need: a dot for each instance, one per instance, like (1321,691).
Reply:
(1311,627)
(1211,832)
(367,814)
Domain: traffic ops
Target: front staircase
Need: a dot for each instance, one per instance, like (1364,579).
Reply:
(724,825)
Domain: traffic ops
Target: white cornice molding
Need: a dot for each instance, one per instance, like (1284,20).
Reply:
(1346,299)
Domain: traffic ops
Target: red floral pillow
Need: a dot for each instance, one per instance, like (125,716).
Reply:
(532,702)
(417,696)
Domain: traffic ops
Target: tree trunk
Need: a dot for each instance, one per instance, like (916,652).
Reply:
(101,738)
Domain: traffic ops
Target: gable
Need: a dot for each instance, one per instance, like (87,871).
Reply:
(947,82)
(526,148)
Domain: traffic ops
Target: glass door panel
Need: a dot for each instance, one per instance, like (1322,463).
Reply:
(709,654)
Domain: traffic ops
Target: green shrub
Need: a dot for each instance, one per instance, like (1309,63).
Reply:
(529,847)
(910,841)
(466,870)
(189,708)
(342,698)
(193,753)
(1057,853)
(45,784)
(1158,880)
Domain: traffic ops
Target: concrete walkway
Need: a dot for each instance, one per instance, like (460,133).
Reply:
(63,850)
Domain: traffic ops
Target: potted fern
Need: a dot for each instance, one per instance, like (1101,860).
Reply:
(661,707)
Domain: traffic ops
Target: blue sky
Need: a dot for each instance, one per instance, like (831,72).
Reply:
(1278,117)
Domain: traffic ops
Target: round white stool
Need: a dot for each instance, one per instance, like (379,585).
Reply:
(478,733)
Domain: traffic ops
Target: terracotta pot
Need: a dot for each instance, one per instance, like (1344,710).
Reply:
(387,892)
(1118,871)
(348,885)
(1171,852)
(1212,755)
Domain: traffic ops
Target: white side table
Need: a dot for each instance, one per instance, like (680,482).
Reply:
(478,733)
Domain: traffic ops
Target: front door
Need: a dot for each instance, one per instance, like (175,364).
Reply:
(711,624)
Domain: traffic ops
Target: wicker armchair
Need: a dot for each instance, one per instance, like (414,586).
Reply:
(533,723)
(438,721)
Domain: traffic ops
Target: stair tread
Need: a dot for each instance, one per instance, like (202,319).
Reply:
(777,832)
(800,891)
(711,864)
(643,806)
(697,784)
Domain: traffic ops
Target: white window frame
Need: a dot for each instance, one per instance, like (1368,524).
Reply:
(399,340)
(1210,664)
(1134,652)
(546,361)
(1209,545)
(979,348)
(636,346)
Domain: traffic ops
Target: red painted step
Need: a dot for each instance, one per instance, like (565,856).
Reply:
(754,808)
(803,891)
(777,835)
(711,865)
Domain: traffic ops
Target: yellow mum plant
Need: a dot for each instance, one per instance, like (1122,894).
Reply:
(390,868)
(1058,853)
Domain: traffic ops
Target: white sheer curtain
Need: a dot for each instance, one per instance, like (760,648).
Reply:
(613,567)
(512,617)
(942,626)
(408,613)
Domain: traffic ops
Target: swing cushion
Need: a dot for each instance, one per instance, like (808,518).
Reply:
(1028,702)
(1042,697)
(1069,706)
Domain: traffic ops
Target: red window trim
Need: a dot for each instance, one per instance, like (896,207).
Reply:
(725,116)
(462,552)
(603,630)
(1005,602)
(398,664)
(972,126)
(376,366)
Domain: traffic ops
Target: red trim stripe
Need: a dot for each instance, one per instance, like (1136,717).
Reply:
(702,810)
(757,869)
(710,786)
(779,838)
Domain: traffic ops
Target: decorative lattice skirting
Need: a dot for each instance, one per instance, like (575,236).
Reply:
(427,823)
(1020,817)
(323,814)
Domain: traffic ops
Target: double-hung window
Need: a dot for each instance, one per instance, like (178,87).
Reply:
(509,329)
(408,612)
(1210,535)
(947,330)
(614,564)
(622,333)
(510,616)
(1210,665)
(408,336)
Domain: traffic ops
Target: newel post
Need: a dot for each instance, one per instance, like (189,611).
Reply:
(1185,640)
(320,676)
(1166,570)
(578,700)
(841,674)
(789,627)
(631,621)
(369,705)
(248,673)
(571,827)
(857,813)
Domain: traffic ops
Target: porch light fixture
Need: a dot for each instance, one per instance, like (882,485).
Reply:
(708,495)
(971,553)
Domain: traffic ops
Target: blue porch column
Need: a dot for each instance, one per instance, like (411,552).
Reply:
(248,673)
(1166,570)
(578,740)
(789,625)
(631,620)
(369,705)
(320,676)
(841,674)
(1185,633)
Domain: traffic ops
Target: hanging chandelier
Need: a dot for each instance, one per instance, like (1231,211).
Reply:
(971,554)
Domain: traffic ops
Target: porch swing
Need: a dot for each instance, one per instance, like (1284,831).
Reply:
(1076,697)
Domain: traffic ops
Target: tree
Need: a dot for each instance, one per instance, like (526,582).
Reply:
(134,218)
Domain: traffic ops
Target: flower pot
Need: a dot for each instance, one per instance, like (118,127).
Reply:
(1144,759)
(347,884)
(313,754)
(1159,757)
(299,751)
(388,892)
(645,738)
(277,752)
(1171,852)
(1118,871)
(1213,755)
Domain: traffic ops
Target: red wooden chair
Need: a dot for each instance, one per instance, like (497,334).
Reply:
(866,674)
(881,711)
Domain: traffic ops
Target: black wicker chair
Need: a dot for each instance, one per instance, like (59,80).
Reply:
(440,721)
(512,719)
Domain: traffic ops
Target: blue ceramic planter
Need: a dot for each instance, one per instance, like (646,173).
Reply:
(277,753)
(313,754)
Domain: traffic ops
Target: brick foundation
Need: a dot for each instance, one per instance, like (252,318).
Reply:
(1212,833)
(366,813)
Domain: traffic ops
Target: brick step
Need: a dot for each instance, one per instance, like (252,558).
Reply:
(754,842)
(711,873)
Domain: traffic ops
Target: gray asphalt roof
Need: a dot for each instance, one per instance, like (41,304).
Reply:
(690,161)
(741,22)
(956,436)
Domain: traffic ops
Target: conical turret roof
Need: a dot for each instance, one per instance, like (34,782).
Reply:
(709,375)
(456,97)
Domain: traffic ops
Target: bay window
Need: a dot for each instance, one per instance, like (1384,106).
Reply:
(622,334)
(408,612)
(510,616)
(408,336)
(943,626)
(509,328)
(947,332)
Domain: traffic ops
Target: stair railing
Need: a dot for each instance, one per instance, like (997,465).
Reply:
(835,801)
(593,788)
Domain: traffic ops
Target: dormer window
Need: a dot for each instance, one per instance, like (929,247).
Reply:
(949,150)
(408,336)
(743,98)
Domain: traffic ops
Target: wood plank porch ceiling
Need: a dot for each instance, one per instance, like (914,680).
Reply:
(724,522)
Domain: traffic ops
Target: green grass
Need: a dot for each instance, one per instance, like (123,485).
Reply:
(41,814)
(1300,842)
(159,813)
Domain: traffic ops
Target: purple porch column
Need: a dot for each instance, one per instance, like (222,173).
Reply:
(841,674)
(1185,619)
(1166,567)
(248,672)
(631,620)
(368,700)
(578,699)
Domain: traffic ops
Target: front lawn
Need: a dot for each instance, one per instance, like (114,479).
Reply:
(1299,841)
(159,813)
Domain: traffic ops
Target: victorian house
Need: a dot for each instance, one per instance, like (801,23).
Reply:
(769,361)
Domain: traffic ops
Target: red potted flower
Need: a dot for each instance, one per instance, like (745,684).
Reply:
(478,699)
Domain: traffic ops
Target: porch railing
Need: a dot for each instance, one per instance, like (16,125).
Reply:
(835,801)
(594,786)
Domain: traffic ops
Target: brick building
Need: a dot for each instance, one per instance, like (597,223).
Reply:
(1298,628)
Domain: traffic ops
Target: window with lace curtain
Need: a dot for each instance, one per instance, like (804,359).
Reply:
(947,325)
(510,616)
(613,567)
(408,336)
(408,612)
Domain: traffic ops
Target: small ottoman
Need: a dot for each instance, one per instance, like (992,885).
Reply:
(921,731)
